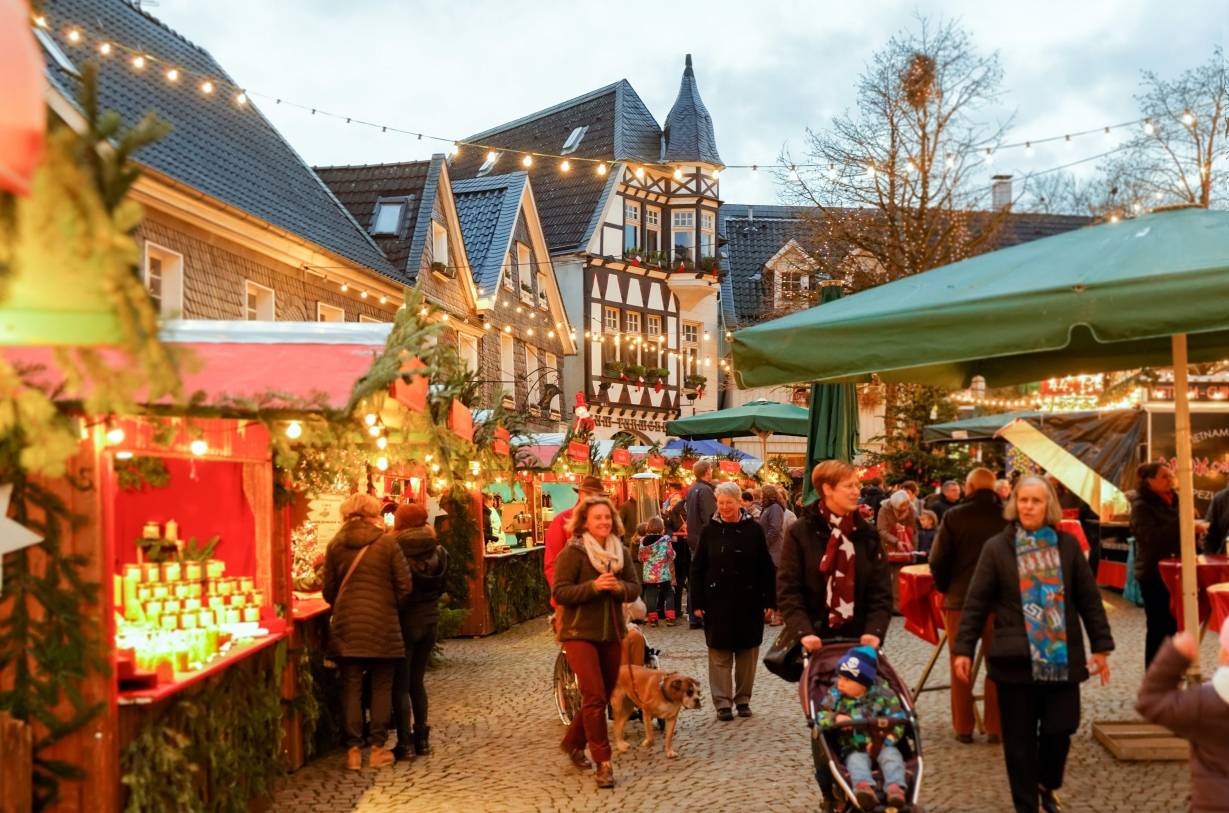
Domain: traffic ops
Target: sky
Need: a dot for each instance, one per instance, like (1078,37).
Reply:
(766,71)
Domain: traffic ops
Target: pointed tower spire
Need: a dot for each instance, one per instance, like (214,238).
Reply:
(688,134)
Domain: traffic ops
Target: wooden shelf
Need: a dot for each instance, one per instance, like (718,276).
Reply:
(141,697)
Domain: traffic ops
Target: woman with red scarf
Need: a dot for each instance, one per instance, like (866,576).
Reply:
(833,579)
(1154,524)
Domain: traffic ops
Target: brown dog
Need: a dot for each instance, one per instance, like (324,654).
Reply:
(658,695)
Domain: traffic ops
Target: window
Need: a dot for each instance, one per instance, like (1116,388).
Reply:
(631,226)
(524,265)
(258,303)
(467,346)
(164,280)
(792,286)
(632,319)
(708,235)
(690,351)
(387,218)
(507,363)
(691,333)
(652,324)
(489,163)
(684,234)
(652,235)
(552,377)
(329,313)
(611,320)
(439,243)
(574,139)
(542,283)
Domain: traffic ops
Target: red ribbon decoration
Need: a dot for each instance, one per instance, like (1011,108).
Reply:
(461,421)
(413,396)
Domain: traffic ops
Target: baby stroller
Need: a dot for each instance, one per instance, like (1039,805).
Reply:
(818,676)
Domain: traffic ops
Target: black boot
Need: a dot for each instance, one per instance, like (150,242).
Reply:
(422,744)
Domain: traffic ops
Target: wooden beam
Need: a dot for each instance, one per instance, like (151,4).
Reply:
(16,765)
(1186,495)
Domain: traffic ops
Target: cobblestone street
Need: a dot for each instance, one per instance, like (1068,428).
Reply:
(495,734)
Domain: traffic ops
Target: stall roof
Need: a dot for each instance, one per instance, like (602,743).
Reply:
(972,430)
(704,448)
(307,361)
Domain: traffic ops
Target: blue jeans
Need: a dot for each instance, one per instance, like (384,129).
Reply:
(659,598)
(890,762)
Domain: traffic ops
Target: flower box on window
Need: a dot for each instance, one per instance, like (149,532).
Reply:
(443,270)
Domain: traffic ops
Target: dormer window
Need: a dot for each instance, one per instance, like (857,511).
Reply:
(388,218)
(489,163)
(574,139)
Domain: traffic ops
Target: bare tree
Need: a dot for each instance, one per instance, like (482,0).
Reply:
(1062,193)
(1181,153)
(891,181)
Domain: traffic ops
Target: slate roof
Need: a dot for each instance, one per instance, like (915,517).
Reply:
(688,134)
(488,208)
(621,128)
(359,188)
(230,153)
(754,234)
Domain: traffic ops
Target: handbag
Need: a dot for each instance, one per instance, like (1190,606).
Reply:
(784,656)
(329,663)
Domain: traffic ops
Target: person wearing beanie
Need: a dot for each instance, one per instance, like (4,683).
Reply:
(857,695)
(1197,713)
(420,616)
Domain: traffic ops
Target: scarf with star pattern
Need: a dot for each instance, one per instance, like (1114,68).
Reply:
(837,566)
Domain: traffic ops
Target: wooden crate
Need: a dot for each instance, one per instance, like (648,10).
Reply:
(1135,741)
(16,766)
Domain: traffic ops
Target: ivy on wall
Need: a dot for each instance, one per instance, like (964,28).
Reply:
(516,589)
(217,748)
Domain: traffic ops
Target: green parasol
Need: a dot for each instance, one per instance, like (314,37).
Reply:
(758,418)
(833,433)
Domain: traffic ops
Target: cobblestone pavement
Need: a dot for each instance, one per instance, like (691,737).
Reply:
(495,735)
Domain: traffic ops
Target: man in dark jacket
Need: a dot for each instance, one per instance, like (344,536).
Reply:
(420,617)
(1198,713)
(962,535)
(873,494)
(701,504)
(948,498)
(366,579)
(1218,523)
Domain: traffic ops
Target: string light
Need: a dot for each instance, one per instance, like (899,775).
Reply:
(1149,129)
(345,286)
(241,99)
(115,435)
(1188,118)
(527,161)
(207,87)
(382,463)
(294,430)
(565,165)
(138,62)
(172,75)
(381,442)
(370,419)
(74,36)
(601,169)
(105,49)
(639,173)
(198,447)
(374,431)
(363,295)
(40,21)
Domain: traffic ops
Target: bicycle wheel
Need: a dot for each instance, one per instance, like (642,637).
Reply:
(567,691)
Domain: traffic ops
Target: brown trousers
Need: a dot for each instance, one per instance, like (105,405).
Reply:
(963,717)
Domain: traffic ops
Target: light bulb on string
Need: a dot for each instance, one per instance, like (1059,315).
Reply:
(374,431)
(105,49)
(370,419)
(1188,118)
(601,169)
(294,430)
(527,161)
(138,62)
(565,165)
(381,442)
(678,174)
(1149,128)
(639,173)
(382,463)
(198,447)
(241,99)
(172,75)
(207,87)
(74,36)
(115,435)
(345,286)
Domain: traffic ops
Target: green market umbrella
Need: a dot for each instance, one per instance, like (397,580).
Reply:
(1109,297)
(759,418)
(833,431)
(973,430)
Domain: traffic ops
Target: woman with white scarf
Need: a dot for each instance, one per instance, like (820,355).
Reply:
(594,576)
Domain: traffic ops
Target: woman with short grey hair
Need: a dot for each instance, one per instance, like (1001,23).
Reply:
(1035,581)
(733,588)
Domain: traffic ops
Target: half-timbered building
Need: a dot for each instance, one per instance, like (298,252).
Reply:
(629,212)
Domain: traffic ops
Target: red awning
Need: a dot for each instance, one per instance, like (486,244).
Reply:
(248,371)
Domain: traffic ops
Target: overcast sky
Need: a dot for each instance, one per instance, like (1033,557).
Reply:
(766,70)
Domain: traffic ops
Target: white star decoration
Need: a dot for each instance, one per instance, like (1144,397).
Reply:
(847,548)
(844,608)
(13,535)
(434,510)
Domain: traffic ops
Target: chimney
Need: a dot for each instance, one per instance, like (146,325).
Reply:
(750,214)
(1000,192)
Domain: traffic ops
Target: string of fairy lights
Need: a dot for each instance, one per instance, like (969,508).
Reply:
(213,86)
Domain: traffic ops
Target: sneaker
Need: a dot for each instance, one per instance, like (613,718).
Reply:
(867,798)
(743,710)
(896,796)
(725,715)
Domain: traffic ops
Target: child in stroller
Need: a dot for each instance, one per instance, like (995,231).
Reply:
(857,696)
(860,713)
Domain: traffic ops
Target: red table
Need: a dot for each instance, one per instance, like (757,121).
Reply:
(920,603)
(1210,569)
(1218,598)
(1073,527)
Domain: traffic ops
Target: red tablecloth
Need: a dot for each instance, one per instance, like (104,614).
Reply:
(1211,569)
(1073,527)
(920,603)
(1218,599)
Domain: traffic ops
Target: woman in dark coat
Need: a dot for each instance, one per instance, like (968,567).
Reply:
(832,550)
(420,618)
(1036,658)
(732,590)
(365,633)
(1154,524)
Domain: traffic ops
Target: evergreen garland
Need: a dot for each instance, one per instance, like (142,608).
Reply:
(217,748)
(141,471)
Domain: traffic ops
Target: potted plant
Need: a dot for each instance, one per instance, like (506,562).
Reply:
(710,265)
(613,369)
(635,371)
